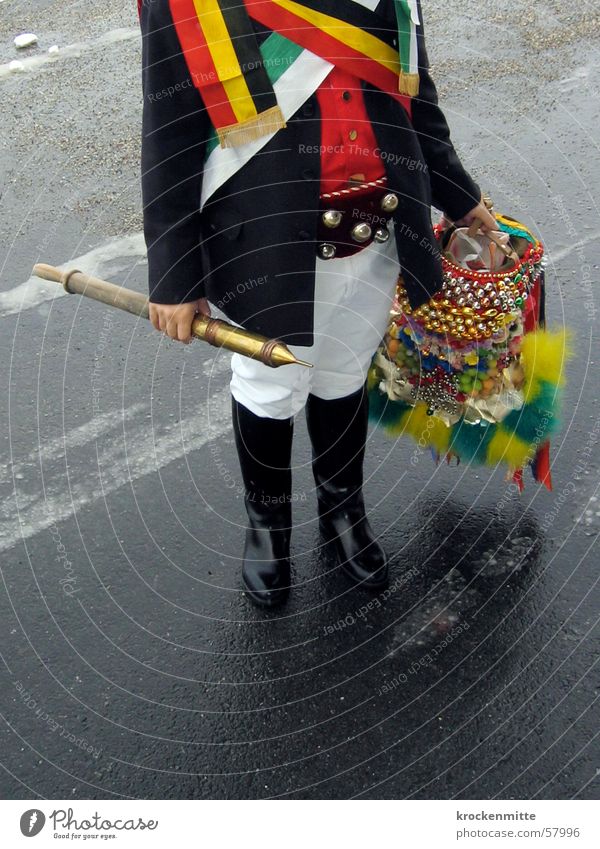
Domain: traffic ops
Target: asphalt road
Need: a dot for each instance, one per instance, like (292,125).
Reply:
(132,664)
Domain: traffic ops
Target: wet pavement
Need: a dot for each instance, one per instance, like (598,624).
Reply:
(133,666)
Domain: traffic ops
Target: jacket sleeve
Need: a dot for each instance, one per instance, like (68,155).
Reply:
(174,131)
(453,190)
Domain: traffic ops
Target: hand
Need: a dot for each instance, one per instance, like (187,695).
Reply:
(175,320)
(488,222)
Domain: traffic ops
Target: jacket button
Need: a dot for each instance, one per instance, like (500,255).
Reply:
(304,235)
(308,174)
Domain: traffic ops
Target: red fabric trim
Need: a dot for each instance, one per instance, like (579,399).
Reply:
(542,466)
(199,61)
(326,46)
(531,321)
(341,157)
(518,479)
(532,311)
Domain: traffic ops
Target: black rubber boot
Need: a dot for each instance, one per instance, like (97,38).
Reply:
(264,449)
(338,432)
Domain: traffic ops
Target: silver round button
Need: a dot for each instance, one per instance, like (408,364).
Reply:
(361,232)
(326,251)
(332,218)
(389,203)
(382,234)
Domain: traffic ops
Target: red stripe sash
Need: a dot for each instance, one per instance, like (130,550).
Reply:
(326,46)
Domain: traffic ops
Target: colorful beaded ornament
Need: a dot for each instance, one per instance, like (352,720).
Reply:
(473,373)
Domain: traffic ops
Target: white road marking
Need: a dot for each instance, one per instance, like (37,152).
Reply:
(579,78)
(558,256)
(76,438)
(140,453)
(35,291)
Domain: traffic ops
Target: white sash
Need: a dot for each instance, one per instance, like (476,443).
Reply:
(292,89)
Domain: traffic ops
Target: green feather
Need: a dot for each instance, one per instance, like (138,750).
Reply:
(470,442)
(536,421)
(384,412)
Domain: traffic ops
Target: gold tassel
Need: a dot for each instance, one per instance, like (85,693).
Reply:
(408,83)
(261,125)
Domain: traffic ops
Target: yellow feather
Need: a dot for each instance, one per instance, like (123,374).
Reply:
(543,357)
(507,447)
(372,378)
(426,430)
(439,435)
(417,421)
(397,429)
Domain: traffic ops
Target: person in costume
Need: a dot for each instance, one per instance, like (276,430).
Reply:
(291,152)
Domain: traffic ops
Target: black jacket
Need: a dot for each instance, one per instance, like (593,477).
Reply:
(252,249)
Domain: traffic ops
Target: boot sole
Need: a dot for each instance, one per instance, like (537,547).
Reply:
(368,583)
(373,583)
(265,602)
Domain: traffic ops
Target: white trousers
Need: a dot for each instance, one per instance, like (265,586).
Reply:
(353,297)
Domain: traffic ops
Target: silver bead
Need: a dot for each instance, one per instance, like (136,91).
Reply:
(326,251)
(332,218)
(389,203)
(382,234)
(361,232)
